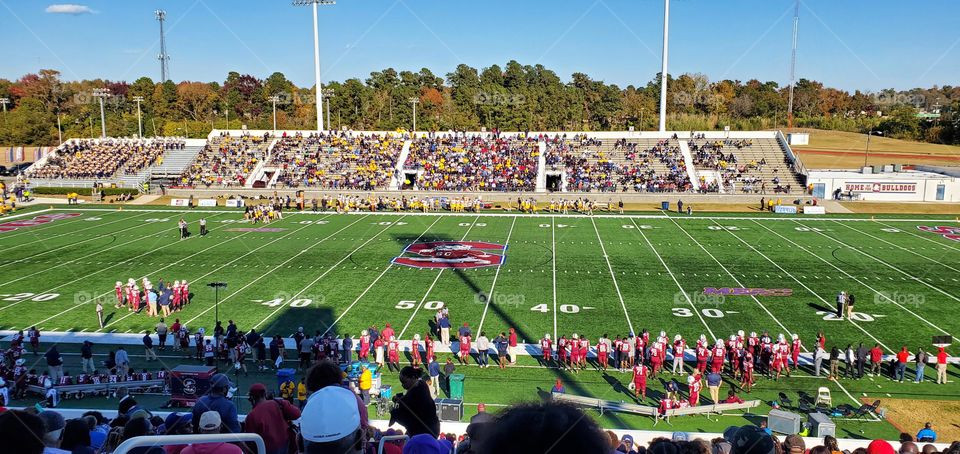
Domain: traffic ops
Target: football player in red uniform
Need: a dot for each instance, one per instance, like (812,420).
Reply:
(415,351)
(640,373)
(546,349)
(364,345)
(797,346)
(695,384)
(603,351)
(717,356)
(679,347)
(747,380)
(393,354)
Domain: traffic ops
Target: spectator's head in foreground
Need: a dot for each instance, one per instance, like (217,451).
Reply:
(330,422)
(210,422)
(54,424)
(880,447)
(543,427)
(23,430)
(322,374)
(749,440)
(409,376)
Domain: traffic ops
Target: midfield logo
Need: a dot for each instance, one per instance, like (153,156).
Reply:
(42,219)
(732,291)
(452,254)
(950,233)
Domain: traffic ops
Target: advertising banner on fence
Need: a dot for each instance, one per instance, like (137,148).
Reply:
(207,202)
(879,188)
(179,202)
(785,209)
(814,210)
(235,203)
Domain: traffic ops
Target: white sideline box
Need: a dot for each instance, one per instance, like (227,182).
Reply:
(179,202)
(207,202)
(814,210)
(235,203)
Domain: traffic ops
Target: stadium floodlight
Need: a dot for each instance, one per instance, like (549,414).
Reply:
(100,94)
(867,151)
(327,94)
(316,53)
(274,99)
(663,71)
(414,100)
(139,99)
(216,286)
(4,101)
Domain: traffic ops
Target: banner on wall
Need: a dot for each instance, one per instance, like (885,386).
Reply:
(814,210)
(207,202)
(179,202)
(235,203)
(785,209)
(879,188)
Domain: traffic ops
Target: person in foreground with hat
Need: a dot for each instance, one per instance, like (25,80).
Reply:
(749,440)
(217,400)
(210,423)
(177,424)
(23,430)
(53,423)
(270,418)
(416,411)
(330,422)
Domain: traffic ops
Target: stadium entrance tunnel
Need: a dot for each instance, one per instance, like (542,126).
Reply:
(554,182)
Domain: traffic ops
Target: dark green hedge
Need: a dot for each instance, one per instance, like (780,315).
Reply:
(83,191)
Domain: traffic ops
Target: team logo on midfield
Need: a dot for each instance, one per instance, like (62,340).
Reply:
(452,254)
(950,233)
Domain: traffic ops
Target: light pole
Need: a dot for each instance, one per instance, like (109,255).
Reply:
(139,99)
(867,151)
(4,101)
(59,129)
(274,100)
(316,53)
(414,100)
(100,94)
(663,71)
(328,93)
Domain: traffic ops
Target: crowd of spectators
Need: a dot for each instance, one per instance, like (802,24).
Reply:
(625,166)
(226,161)
(104,158)
(474,163)
(336,161)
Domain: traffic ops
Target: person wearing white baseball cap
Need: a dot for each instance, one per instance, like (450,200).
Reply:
(330,422)
(210,423)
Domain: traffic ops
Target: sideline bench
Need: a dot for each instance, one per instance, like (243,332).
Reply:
(78,391)
(609,405)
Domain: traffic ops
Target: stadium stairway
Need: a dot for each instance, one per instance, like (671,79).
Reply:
(398,169)
(176,161)
(688,161)
(541,167)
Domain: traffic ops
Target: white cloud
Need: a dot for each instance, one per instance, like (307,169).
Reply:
(69,8)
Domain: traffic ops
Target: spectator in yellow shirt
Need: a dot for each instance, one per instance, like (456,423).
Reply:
(302,393)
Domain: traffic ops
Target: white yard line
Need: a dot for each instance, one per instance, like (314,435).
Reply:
(788,333)
(545,215)
(613,275)
(553,253)
(675,281)
(798,281)
(901,248)
(248,284)
(22,215)
(491,295)
(382,273)
(950,244)
(39,230)
(875,291)
(225,264)
(324,274)
(912,277)
(98,270)
(93,238)
(141,277)
(427,294)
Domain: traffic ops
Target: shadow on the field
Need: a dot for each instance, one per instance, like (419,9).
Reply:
(820,307)
(314,315)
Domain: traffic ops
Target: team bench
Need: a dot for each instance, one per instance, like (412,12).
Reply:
(605,405)
(609,405)
(78,391)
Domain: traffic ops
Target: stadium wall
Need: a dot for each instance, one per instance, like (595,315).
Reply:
(888,186)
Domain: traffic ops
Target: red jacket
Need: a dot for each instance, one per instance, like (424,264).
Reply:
(942,357)
(876,354)
(269,420)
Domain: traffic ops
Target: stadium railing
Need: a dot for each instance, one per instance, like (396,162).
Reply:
(168,440)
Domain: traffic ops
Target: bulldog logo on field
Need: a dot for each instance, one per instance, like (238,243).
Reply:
(452,254)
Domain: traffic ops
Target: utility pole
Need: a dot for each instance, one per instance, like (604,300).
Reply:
(316,53)
(274,100)
(139,99)
(100,94)
(328,93)
(414,100)
(163,57)
(793,63)
(663,71)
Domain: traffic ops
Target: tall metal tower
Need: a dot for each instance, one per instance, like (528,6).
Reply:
(163,57)
(793,63)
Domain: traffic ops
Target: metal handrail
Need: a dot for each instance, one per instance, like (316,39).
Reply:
(167,440)
(390,438)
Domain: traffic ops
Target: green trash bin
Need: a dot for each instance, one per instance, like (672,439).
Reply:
(456,386)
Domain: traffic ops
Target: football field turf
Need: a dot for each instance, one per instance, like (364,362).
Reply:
(560,274)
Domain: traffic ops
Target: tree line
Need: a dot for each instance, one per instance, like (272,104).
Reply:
(514,97)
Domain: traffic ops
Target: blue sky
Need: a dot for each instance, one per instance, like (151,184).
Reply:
(851,44)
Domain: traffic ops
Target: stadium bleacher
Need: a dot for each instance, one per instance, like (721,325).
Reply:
(620,165)
(474,163)
(226,161)
(98,159)
(756,165)
(363,162)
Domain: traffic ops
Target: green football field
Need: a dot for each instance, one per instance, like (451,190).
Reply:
(560,275)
